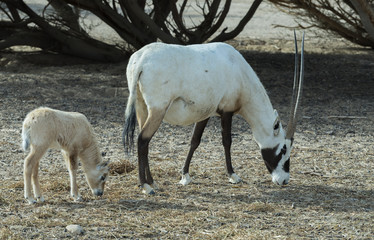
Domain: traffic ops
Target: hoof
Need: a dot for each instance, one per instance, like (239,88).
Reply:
(186,179)
(40,199)
(148,189)
(234,178)
(77,198)
(30,201)
(154,186)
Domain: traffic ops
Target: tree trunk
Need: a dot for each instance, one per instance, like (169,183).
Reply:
(366,14)
(59,40)
(69,17)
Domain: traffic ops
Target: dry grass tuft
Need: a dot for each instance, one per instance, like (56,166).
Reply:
(16,185)
(123,166)
(56,185)
(45,213)
(3,201)
(6,233)
(330,195)
(260,207)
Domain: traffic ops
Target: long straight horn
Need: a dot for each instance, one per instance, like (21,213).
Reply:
(297,91)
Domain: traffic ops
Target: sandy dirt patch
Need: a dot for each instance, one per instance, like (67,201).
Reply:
(331,190)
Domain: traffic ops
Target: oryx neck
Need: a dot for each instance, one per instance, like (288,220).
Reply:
(259,113)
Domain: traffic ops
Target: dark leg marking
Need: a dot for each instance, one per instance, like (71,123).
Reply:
(195,142)
(226,122)
(144,171)
(151,125)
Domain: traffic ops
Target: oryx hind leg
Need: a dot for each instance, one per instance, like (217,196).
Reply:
(30,172)
(141,110)
(151,125)
(195,142)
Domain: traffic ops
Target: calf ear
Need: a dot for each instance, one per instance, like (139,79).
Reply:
(103,165)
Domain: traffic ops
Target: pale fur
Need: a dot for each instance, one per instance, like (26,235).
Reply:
(187,84)
(45,128)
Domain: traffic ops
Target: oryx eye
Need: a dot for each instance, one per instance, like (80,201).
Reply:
(276,126)
(102,178)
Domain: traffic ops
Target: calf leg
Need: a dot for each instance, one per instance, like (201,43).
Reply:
(71,161)
(226,121)
(30,171)
(36,183)
(151,125)
(195,142)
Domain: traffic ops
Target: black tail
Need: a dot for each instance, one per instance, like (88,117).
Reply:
(129,128)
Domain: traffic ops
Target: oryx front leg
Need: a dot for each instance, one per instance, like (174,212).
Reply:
(151,125)
(226,121)
(71,161)
(30,174)
(195,142)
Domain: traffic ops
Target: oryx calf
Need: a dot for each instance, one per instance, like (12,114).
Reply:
(189,84)
(45,128)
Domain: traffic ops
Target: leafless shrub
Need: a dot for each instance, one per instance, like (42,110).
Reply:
(351,19)
(58,28)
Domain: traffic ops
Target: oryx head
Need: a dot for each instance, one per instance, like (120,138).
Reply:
(277,158)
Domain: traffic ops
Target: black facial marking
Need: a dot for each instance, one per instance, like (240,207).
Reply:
(284,149)
(271,160)
(286,166)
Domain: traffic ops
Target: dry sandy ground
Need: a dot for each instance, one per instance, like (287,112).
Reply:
(330,195)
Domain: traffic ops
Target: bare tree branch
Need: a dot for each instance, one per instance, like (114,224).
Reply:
(156,30)
(351,19)
(223,36)
(219,22)
(14,13)
(67,14)
(120,24)
(178,19)
(29,38)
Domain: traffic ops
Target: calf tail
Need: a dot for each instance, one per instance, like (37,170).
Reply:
(25,139)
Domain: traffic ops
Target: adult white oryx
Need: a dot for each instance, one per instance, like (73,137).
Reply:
(189,84)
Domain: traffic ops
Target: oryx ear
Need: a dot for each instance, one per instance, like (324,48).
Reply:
(276,113)
(276,124)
